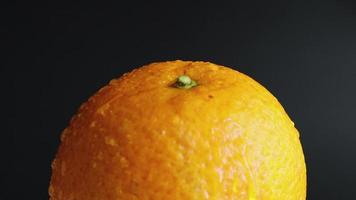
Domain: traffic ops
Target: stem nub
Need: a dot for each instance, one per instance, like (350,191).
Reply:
(185,82)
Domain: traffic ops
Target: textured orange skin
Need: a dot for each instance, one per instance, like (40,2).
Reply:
(141,138)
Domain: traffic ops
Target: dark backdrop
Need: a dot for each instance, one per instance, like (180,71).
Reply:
(303,52)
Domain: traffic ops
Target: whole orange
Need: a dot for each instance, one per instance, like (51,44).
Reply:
(180,130)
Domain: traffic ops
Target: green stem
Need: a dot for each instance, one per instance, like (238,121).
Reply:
(185,82)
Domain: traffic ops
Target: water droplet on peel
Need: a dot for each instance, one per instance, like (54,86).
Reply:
(206,194)
(110,141)
(93,124)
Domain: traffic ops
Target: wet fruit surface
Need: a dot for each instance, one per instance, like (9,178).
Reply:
(140,137)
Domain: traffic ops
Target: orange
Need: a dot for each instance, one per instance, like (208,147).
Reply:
(180,130)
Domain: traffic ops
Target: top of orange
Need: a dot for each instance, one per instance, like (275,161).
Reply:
(180,130)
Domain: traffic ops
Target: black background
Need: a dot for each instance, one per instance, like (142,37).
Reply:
(303,52)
